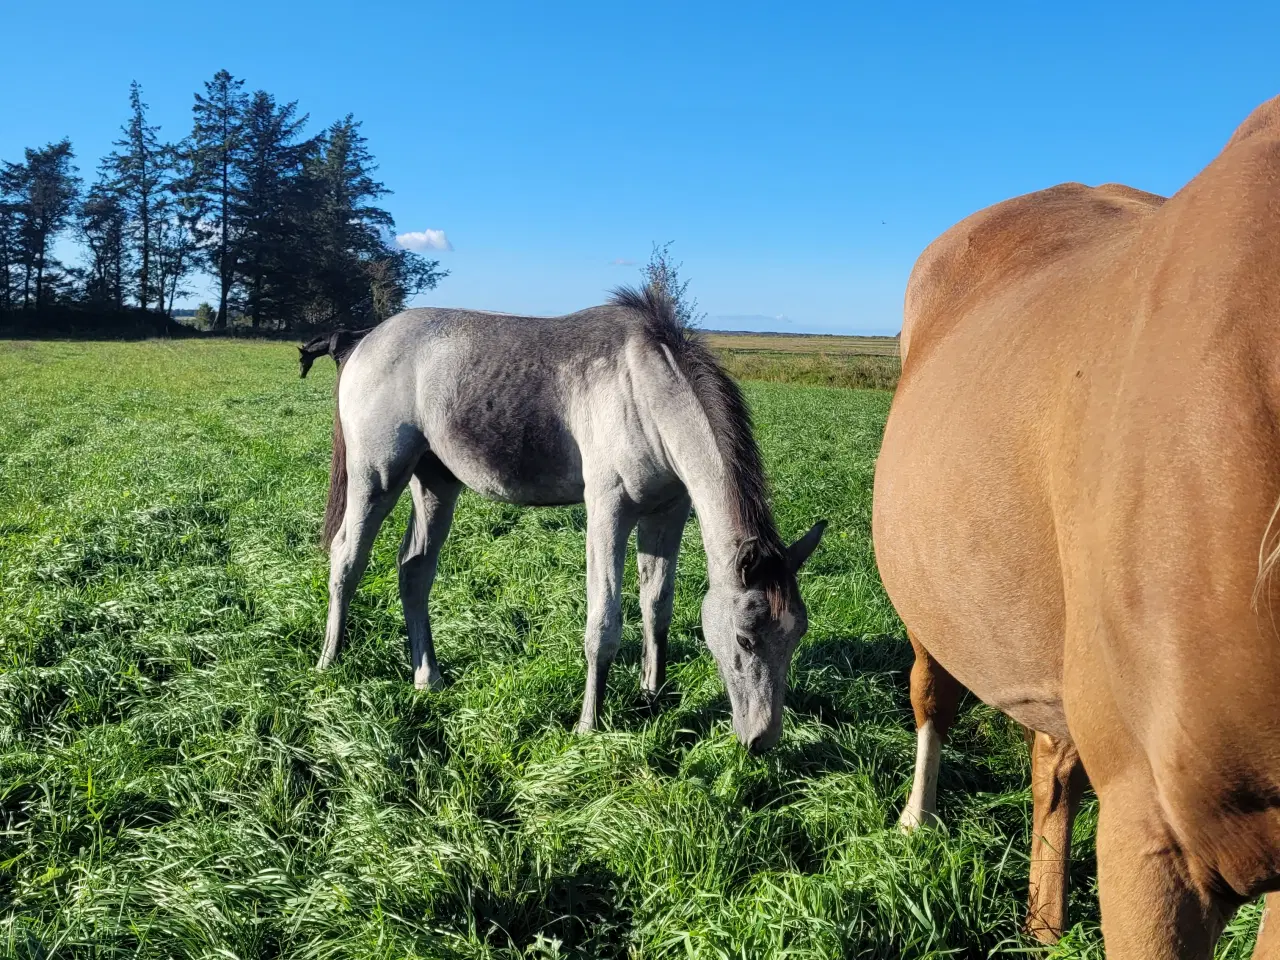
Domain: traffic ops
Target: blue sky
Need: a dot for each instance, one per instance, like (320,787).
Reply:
(799,156)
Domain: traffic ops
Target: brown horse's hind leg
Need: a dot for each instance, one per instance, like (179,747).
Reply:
(1057,782)
(1157,903)
(1268,945)
(935,694)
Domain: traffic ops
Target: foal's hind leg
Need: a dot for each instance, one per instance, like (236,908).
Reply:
(935,695)
(608,528)
(657,545)
(1057,783)
(372,491)
(435,492)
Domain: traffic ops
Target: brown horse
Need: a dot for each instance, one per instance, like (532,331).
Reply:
(1075,513)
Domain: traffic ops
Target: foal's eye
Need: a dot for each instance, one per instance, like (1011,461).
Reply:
(746,643)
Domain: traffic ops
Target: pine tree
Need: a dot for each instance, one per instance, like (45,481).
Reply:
(46,190)
(268,208)
(347,225)
(140,173)
(173,216)
(15,177)
(289,227)
(216,145)
(103,225)
(356,277)
(9,257)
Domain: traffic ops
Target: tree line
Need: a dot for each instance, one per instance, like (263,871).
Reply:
(286,225)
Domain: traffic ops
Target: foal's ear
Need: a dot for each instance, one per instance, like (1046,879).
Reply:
(799,551)
(747,561)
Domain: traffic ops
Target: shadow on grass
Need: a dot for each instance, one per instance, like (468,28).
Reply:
(582,910)
(825,671)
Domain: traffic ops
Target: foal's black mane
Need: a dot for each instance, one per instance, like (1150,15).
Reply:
(727,412)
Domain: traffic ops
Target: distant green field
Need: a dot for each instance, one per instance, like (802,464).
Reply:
(806,343)
(177,781)
(820,361)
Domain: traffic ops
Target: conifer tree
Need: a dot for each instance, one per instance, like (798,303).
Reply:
(140,169)
(267,209)
(357,276)
(217,139)
(9,256)
(103,226)
(45,188)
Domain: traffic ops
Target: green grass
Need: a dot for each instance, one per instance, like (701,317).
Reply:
(177,781)
(847,371)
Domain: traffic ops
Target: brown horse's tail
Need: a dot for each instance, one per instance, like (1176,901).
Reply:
(336,508)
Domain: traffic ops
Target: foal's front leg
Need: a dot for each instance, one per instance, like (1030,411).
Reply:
(608,527)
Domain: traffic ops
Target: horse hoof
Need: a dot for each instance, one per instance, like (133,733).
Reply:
(911,820)
(431,683)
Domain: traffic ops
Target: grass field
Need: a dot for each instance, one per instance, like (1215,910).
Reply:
(177,781)
(806,343)
(818,361)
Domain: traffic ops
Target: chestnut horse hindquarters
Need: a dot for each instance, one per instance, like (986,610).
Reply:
(992,636)
(965,478)
(1077,473)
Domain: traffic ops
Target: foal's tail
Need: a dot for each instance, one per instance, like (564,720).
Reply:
(337,505)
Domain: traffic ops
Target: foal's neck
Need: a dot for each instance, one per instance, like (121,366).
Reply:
(727,514)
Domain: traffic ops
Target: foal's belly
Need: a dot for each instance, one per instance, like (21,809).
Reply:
(516,461)
(528,492)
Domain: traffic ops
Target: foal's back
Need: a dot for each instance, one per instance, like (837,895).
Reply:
(517,408)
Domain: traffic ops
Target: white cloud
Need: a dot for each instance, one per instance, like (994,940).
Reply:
(420,240)
(622,262)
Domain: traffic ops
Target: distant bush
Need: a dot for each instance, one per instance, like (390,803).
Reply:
(851,371)
(204,316)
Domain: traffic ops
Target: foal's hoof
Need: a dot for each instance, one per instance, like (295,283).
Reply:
(912,820)
(584,727)
(437,682)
